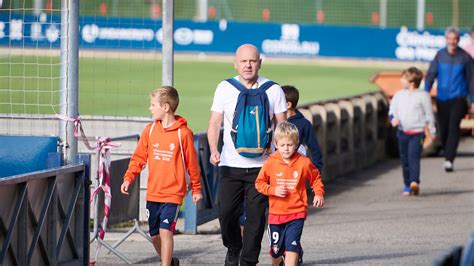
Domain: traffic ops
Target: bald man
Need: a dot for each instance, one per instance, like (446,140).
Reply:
(238,173)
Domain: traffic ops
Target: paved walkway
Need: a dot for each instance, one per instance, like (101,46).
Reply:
(366,220)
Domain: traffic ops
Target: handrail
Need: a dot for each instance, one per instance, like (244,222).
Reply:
(16,179)
(337,99)
(134,136)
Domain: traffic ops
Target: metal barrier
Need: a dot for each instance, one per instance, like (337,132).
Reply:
(347,160)
(207,209)
(333,127)
(351,131)
(44,216)
(24,154)
(319,126)
(383,125)
(125,208)
(370,128)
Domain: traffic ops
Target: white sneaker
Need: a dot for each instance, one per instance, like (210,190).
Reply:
(448,166)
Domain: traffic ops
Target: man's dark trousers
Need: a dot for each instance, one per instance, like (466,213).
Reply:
(235,184)
(450,114)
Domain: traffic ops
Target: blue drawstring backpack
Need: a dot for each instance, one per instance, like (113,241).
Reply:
(251,127)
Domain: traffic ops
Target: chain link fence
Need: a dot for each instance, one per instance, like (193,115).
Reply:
(437,14)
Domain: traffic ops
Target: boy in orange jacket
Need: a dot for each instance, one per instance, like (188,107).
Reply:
(283,178)
(167,145)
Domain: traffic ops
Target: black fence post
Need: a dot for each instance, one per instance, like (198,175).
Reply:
(22,223)
(53,220)
(85,202)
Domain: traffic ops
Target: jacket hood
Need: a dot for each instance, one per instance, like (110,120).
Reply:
(298,115)
(295,157)
(180,122)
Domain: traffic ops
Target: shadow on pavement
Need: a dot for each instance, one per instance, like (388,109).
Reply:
(356,179)
(447,193)
(361,258)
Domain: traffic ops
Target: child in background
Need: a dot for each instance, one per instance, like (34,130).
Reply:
(411,111)
(167,145)
(283,179)
(307,135)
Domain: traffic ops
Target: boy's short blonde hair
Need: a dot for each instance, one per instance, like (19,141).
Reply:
(167,94)
(287,130)
(414,75)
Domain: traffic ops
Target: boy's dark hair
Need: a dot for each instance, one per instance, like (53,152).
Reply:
(292,95)
(167,94)
(414,75)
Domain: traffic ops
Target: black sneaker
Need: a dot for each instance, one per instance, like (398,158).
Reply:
(232,258)
(174,261)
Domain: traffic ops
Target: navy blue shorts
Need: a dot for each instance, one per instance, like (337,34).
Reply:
(161,215)
(243,218)
(285,237)
(243,215)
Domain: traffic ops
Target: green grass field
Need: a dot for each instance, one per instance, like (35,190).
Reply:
(121,86)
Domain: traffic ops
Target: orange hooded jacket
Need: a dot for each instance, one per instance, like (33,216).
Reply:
(161,149)
(294,174)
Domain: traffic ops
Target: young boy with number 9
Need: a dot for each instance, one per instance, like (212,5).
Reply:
(283,178)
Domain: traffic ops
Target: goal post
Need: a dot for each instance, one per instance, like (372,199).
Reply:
(69,76)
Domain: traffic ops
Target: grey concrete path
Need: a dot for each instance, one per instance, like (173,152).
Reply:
(366,221)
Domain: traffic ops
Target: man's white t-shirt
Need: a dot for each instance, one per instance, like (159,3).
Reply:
(225,100)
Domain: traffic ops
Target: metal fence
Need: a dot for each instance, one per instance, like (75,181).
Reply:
(390,13)
(44,217)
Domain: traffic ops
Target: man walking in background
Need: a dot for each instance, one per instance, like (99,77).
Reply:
(452,68)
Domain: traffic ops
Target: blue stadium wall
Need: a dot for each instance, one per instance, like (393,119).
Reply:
(224,37)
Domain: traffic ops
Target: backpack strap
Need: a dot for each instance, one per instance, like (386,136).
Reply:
(186,174)
(239,86)
(265,86)
(151,130)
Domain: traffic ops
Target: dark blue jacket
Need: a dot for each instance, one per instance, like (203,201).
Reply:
(454,74)
(308,137)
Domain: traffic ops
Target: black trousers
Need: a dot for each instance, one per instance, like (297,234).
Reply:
(450,114)
(235,185)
